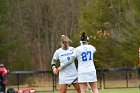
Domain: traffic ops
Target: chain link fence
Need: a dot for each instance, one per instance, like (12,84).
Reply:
(44,81)
(41,81)
(118,78)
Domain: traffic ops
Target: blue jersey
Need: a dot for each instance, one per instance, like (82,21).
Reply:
(67,75)
(84,55)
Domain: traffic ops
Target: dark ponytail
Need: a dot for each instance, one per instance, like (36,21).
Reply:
(83,37)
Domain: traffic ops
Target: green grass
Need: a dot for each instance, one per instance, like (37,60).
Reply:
(120,91)
(130,90)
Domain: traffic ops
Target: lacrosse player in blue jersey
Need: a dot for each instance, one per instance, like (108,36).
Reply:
(86,68)
(68,75)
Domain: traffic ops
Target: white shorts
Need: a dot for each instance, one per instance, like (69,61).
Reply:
(87,77)
(68,75)
(68,79)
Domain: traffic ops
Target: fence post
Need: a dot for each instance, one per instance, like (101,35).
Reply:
(18,81)
(126,77)
(139,73)
(53,82)
(103,78)
(101,82)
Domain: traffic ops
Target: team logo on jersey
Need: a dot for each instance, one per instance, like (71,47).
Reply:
(85,48)
(67,54)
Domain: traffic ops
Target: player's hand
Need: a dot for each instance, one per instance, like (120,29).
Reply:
(59,68)
(55,71)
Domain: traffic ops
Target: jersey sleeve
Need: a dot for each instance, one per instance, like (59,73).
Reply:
(75,53)
(55,56)
(72,48)
(94,49)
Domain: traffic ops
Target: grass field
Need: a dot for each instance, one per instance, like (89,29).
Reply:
(133,90)
(120,91)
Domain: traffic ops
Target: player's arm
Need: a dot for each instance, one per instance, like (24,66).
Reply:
(68,63)
(53,64)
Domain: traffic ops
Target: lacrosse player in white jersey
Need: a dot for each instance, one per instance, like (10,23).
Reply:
(69,74)
(86,69)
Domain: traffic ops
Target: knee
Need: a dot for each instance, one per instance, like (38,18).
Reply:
(62,91)
(78,90)
(83,91)
(95,90)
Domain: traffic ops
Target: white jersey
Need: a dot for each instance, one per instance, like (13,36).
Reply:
(84,55)
(67,75)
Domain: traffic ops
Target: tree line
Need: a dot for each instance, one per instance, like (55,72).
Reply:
(30,31)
